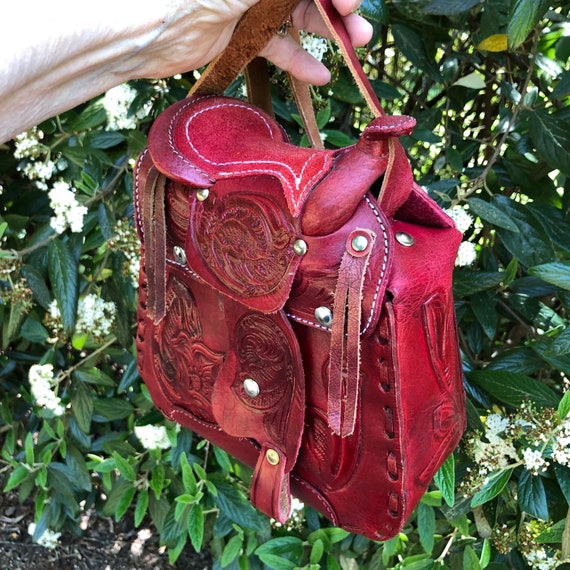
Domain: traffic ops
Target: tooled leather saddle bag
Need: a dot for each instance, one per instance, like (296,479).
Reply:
(295,304)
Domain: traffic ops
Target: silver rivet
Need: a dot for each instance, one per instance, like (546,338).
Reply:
(251,387)
(272,457)
(323,316)
(300,247)
(179,254)
(405,239)
(202,194)
(359,243)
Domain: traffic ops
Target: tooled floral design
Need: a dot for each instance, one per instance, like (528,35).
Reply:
(264,356)
(246,243)
(189,366)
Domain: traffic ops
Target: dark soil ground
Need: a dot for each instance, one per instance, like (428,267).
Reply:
(105,545)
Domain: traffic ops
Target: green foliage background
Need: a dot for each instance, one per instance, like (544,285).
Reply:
(489,85)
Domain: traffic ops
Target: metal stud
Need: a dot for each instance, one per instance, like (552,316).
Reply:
(202,194)
(359,243)
(405,239)
(324,316)
(272,457)
(251,387)
(300,247)
(179,254)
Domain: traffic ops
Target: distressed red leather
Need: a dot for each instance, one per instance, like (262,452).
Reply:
(246,238)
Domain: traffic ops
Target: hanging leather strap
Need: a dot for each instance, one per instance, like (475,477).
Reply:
(252,33)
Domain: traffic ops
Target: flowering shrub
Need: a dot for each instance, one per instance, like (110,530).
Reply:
(487,83)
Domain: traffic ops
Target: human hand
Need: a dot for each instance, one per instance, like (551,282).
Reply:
(208,28)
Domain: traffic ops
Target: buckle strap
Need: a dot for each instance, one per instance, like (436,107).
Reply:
(344,368)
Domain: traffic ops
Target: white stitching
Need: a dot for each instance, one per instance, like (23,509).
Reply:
(384,262)
(297,178)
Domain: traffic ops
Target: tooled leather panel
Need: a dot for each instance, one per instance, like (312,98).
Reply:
(263,348)
(185,366)
(218,138)
(241,243)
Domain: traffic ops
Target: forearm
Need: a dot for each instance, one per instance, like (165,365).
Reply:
(50,67)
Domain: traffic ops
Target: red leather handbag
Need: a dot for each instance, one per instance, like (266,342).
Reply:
(295,306)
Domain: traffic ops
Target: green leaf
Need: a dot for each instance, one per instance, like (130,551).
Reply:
(94,376)
(530,245)
(231,550)
(524,16)
(564,406)
(563,477)
(92,116)
(124,467)
(532,495)
(34,331)
(496,482)
(37,284)
(556,272)
(157,480)
(375,10)
(483,307)
(63,270)
(490,213)
(553,534)
(485,557)
(411,44)
(426,526)
(560,345)
(317,551)
(124,502)
(196,526)
(188,477)
(237,508)
(445,480)
(283,552)
(81,399)
(111,409)
(467,282)
(550,134)
(29,448)
(222,458)
(470,559)
(141,507)
(512,388)
(16,477)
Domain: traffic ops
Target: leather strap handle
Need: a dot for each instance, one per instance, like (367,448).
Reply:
(252,33)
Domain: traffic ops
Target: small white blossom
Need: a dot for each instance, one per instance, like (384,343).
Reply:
(68,211)
(48,539)
(153,437)
(95,316)
(314,45)
(534,461)
(538,559)
(41,381)
(466,254)
(496,424)
(117,102)
(28,144)
(461,218)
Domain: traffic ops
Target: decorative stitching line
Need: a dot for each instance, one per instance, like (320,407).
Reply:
(137,190)
(384,262)
(313,491)
(296,177)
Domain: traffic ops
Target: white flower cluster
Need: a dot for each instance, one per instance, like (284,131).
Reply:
(94,316)
(127,241)
(153,437)
(538,559)
(467,252)
(531,437)
(68,211)
(534,461)
(496,452)
(41,381)
(48,539)
(314,45)
(36,159)
(117,102)
(461,218)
